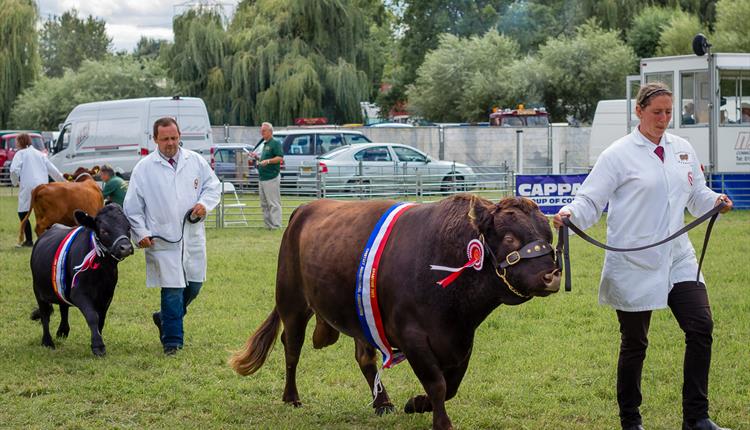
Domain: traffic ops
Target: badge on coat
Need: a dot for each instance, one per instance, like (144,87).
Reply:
(690,178)
(195,183)
(684,157)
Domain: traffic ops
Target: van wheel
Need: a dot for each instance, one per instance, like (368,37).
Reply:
(451,185)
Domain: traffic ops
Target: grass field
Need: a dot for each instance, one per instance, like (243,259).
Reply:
(547,364)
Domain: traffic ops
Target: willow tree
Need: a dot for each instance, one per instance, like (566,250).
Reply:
(299,59)
(19,55)
(196,59)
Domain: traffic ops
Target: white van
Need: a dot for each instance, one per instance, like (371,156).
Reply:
(119,132)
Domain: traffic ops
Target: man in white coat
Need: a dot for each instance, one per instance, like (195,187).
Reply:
(29,169)
(648,178)
(169,194)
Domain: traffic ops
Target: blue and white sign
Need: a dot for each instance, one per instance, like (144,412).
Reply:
(550,192)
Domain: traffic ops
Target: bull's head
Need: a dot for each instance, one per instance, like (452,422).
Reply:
(111,228)
(519,244)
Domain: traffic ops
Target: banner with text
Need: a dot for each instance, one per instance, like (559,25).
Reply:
(550,192)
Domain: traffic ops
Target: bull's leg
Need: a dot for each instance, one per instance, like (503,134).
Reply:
(367,359)
(428,371)
(64,329)
(45,310)
(293,337)
(92,319)
(453,378)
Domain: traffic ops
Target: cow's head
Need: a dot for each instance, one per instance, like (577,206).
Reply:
(111,228)
(519,237)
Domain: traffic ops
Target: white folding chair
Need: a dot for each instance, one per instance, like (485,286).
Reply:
(229,191)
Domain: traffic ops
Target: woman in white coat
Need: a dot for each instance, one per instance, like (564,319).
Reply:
(648,178)
(28,169)
(169,190)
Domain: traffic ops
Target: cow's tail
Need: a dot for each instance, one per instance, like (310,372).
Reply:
(25,219)
(249,359)
(36,314)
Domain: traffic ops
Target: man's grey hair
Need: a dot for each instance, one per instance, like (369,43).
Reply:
(108,169)
(267,125)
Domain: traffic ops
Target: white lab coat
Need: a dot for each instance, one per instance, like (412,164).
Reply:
(31,168)
(647,201)
(157,200)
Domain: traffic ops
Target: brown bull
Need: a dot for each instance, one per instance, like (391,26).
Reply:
(431,325)
(56,202)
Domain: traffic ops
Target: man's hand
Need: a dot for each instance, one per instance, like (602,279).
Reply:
(557,220)
(727,201)
(199,211)
(145,242)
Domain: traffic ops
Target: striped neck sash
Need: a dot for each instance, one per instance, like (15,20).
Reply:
(366,295)
(60,282)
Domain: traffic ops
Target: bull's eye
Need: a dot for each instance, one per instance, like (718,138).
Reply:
(509,239)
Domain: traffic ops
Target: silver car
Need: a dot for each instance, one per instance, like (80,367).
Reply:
(387,167)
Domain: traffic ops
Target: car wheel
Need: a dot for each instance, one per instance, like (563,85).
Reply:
(453,185)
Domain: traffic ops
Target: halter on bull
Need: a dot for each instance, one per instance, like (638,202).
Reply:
(432,325)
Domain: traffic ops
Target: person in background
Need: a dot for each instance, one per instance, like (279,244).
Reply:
(28,169)
(115,187)
(170,192)
(648,178)
(269,173)
(745,108)
(688,114)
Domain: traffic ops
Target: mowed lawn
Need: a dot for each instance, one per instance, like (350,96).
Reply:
(547,364)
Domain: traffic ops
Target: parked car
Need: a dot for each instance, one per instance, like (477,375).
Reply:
(232,161)
(388,166)
(8,150)
(301,146)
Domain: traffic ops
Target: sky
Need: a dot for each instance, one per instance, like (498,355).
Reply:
(128,20)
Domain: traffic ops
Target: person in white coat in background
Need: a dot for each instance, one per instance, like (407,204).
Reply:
(648,178)
(29,169)
(169,194)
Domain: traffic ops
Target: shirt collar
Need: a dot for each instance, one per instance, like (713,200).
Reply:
(165,158)
(643,140)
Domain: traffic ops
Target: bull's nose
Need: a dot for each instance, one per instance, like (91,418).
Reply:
(126,249)
(552,280)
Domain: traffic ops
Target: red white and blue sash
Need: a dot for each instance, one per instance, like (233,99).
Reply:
(367,295)
(60,283)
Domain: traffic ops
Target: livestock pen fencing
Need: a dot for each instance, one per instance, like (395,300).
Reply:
(240,204)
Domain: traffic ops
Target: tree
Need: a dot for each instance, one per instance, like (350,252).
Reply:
(531,23)
(677,35)
(643,35)
(148,48)
(576,72)
(732,32)
(66,41)
(46,103)
(19,57)
(463,78)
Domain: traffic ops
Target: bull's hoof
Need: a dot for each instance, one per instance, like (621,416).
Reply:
(99,351)
(62,334)
(384,410)
(409,406)
(418,405)
(295,403)
(49,345)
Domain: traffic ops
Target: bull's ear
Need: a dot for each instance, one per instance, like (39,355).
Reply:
(84,220)
(482,216)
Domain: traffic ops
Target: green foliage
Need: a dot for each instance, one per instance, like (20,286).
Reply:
(463,78)
(677,36)
(548,364)
(577,72)
(67,40)
(530,23)
(46,103)
(732,30)
(644,34)
(19,58)
(148,48)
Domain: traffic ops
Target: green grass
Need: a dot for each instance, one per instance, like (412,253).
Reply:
(548,364)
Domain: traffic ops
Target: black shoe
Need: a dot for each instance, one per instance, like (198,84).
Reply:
(704,424)
(170,350)
(26,244)
(157,321)
(635,427)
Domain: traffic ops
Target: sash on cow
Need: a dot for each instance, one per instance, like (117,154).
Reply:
(366,295)
(60,282)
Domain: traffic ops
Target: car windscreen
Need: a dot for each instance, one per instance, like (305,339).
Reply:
(352,138)
(334,153)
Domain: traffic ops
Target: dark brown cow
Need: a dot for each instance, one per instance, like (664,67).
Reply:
(433,326)
(56,202)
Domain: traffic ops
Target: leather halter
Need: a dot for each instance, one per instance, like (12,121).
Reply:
(535,249)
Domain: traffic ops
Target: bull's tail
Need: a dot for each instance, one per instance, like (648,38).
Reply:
(36,314)
(25,219)
(249,359)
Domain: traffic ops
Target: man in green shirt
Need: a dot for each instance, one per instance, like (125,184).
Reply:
(115,187)
(269,173)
